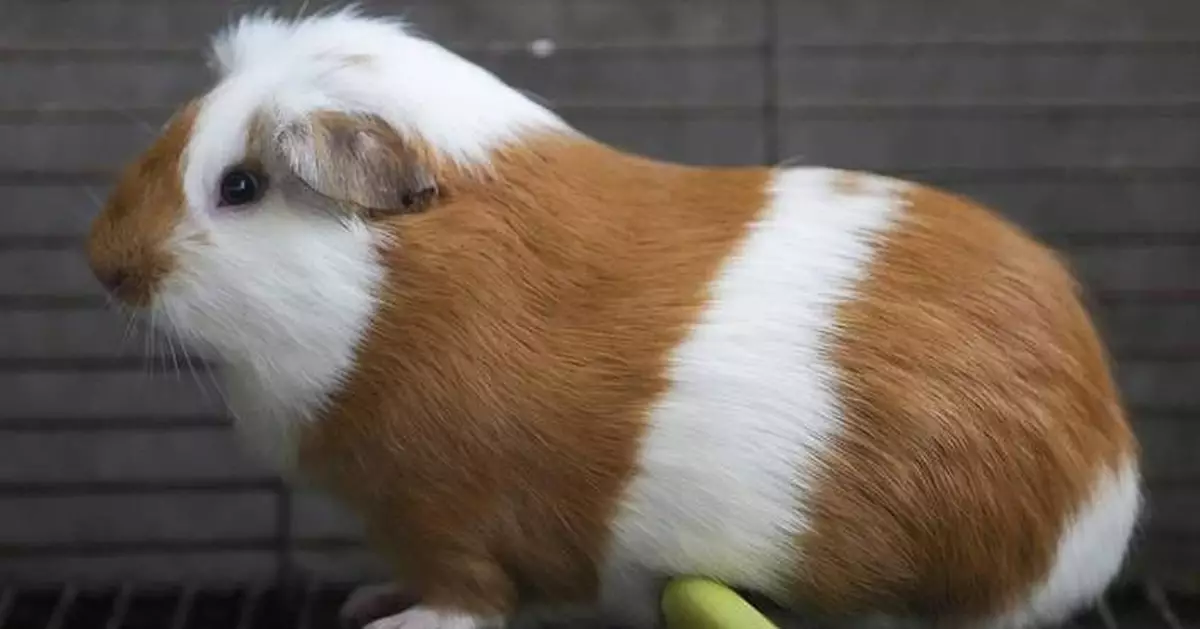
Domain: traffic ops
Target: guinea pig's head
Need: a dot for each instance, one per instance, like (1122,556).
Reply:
(253,224)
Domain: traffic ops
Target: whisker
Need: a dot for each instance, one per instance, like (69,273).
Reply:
(217,386)
(130,323)
(162,357)
(95,198)
(187,358)
(193,369)
(151,350)
(146,353)
(208,370)
(792,160)
(169,341)
(112,304)
(141,124)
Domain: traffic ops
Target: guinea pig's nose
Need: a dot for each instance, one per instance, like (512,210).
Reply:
(113,278)
(123,282)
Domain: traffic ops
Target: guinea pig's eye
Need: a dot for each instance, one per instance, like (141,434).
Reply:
(240,186)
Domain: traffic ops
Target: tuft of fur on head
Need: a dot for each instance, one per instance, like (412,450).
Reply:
(346,61)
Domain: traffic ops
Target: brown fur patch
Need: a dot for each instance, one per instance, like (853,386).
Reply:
(496,410)
(125,246)
(980,409)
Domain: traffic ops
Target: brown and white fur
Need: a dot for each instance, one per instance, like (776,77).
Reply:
(546,372)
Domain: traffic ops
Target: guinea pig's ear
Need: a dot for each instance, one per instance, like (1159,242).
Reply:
(357,160)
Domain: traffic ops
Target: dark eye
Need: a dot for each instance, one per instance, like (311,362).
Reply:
(241,186)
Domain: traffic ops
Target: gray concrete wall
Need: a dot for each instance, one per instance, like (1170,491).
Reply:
(1077,118)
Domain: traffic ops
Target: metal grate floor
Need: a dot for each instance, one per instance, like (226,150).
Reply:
(316,606)
(155,607)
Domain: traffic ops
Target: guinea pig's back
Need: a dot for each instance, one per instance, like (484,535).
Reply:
(893,402)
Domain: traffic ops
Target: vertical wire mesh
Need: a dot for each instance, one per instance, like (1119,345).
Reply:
(116,617)
(1157,598)
(183,608)
(65,600)
(250,607)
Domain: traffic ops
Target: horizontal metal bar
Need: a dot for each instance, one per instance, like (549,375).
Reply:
(900,113)
(58,178)
(1050,173)
(325,544)
(10,489)
(651,47)
(52,302)
(158,547)
(144,547)
(989,45)
(100,54)
(1147,297)
(155,363)
(667,110)
(114,424)
(196,55)
(50,242)
(1122,239)
(1175,355)
(1165,413)
(1034,106)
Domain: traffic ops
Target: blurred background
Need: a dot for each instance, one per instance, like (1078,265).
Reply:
(1079,119)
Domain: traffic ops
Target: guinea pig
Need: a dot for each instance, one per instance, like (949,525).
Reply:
(550,374)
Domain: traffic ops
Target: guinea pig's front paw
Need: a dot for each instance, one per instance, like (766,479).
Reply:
(422,617)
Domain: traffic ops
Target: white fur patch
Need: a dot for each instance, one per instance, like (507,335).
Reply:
(283,293)
(728,457)
(1090,553)
(282,298)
